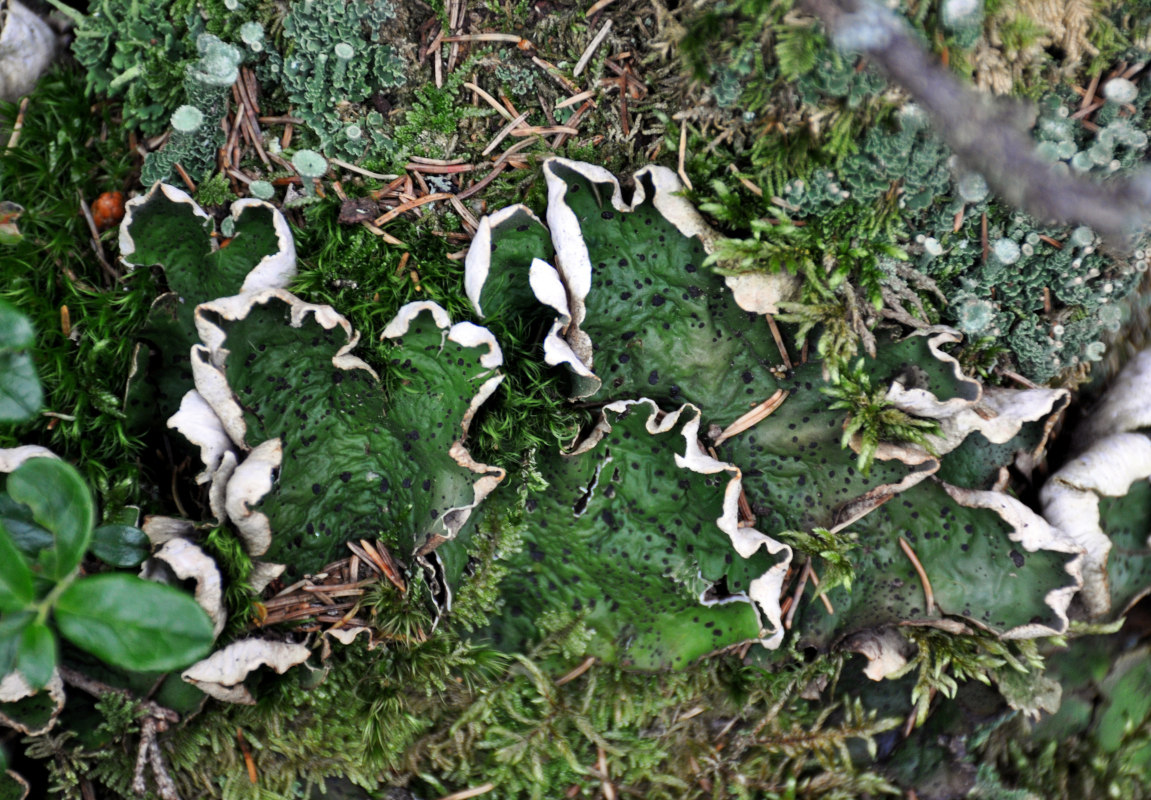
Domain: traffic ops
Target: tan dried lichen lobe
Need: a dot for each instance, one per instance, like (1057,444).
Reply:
(1112,455)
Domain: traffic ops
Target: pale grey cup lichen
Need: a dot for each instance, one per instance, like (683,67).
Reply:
(310,165)
(1119,90)
(252,34)
(262,190)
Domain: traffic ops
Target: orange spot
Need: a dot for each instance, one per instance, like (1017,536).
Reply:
(108,210)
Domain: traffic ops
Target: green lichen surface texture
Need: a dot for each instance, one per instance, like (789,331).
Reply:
(647,400)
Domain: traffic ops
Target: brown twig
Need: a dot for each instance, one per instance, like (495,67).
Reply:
(156,721)
(683,154)
(753,417)
(778,340)
(1022,381)
(801,584)
(14,139)
(504,132)
(97,247)
(465,794)
(383,219)
(985,137)
(584,666)
(927,593)
(815,581)
(585,57)
(185,177)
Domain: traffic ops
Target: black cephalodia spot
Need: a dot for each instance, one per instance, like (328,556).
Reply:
(624,358)
(653,378)
(1016,557)
(316,488)
(658,300)
(691,268)
(345,476)
(406,483)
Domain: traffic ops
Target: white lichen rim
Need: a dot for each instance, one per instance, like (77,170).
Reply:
(1070,502)
(199,424)
(209,359)
(222,674)
(12,458)
(1124,407)
(22,784)
(466,334)
(1111,458)
(252,479)
(763,593)
(547,285)
(29,45)
(14,688)
(1033,533)
(923,403)
(886,650)
(160,529)
(273,271)
(478,261)
(566,342)
(574,262)
(236,487)
(997,414)
(188,562)
(174,195)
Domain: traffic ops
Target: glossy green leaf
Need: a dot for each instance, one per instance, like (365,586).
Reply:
(36,654)
(133,623)
(29,538)
(20,392)
(11,630)
(16,590)
(61,503)
(120,545)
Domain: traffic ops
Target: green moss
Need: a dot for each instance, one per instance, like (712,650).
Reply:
(53,266)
